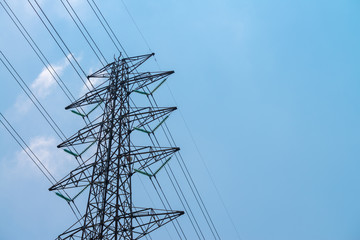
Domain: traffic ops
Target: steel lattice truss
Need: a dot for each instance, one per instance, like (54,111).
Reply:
(110,213)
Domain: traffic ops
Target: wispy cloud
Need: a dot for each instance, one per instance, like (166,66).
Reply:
(44,83)
(89,84)
(45,149)
(42,86)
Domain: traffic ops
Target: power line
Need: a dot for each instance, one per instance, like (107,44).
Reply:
(31,96)
(86,31)
(118,48)
(100,50)
(45,114)
(55,30)
(62,41)
(190,183)
(35,104)
(207,169)
(37,50)
(188,129)
(39,165)
(161,190)
(165,131)
(84,36)
(137,27)
(20,141)
(43,58)
(213,226)
(107,24)
(115,160)
(52,71)
(39,53)
(181,197)
(93,49)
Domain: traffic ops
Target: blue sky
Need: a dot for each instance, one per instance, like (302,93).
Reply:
(269,91)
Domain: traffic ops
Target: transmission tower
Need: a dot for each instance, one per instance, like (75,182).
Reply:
(108,174)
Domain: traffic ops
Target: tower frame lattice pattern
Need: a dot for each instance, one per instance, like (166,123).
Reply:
(110,212)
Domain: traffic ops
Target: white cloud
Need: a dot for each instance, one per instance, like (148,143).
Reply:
(89,85)
(42,86)
(22,104)
(45,149)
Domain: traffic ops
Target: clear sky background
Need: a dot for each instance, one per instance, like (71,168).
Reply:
(269,91)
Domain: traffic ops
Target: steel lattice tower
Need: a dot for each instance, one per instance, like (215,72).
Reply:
(110,213)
